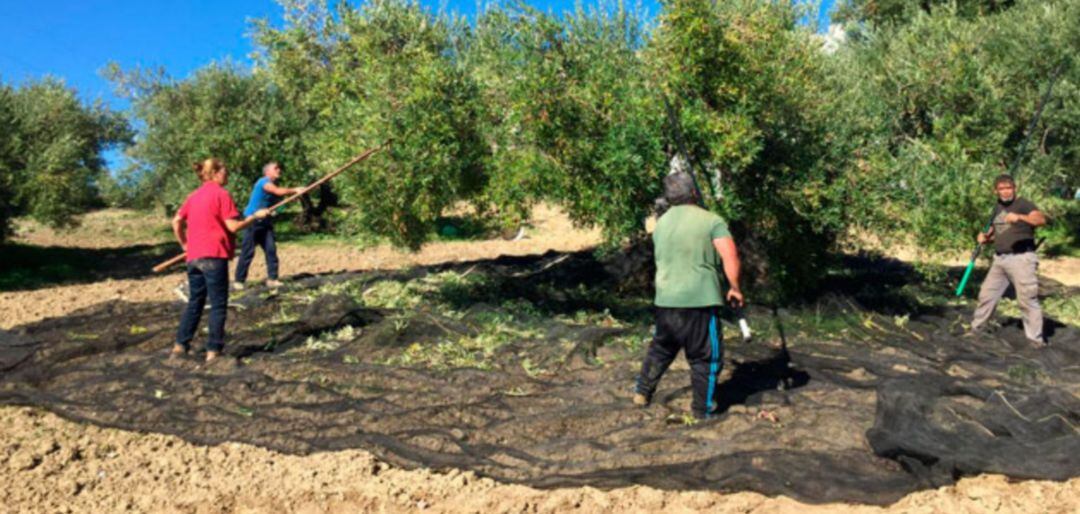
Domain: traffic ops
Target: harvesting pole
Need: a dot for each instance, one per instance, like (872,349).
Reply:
(289,199)
(1013,169)
(681,144)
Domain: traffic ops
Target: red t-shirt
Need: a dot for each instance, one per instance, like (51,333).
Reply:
(205,211)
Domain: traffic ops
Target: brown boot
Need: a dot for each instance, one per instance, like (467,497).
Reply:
(641,400)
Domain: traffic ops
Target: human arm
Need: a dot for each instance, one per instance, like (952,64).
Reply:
(1034,218)
(178,231)
(178,223)
(233,225)
(231,216)
(273,189)
(985,237)
(729,255)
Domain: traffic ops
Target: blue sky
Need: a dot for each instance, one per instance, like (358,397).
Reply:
(74,39)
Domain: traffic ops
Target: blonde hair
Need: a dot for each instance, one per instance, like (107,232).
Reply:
(206,169)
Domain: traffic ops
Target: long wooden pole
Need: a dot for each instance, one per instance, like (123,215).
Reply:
(243,224)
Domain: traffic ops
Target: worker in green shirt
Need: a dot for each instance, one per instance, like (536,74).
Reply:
(691,244)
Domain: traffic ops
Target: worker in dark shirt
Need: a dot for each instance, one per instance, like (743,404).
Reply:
(1013,235)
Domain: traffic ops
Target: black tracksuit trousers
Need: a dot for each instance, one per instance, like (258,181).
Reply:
(697,332)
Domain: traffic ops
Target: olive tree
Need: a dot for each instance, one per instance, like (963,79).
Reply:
(51,149)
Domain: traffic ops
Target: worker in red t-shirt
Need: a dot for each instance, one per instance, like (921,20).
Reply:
(212,221)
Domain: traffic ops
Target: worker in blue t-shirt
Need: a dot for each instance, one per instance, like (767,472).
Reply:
(261,233)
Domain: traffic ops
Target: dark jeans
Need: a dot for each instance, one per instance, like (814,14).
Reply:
(697,332)
(206,278)
(260,233)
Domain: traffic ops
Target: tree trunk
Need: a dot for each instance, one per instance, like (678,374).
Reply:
(313,217)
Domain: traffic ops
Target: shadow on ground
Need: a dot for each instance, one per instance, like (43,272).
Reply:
(26,267)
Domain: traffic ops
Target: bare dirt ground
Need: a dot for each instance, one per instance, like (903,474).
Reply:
(53,465)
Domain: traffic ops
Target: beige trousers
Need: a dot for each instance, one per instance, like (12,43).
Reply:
(1022,271)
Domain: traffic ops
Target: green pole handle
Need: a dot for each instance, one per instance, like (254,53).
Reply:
(974,257)
(967,274)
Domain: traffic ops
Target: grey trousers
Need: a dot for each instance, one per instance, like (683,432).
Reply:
(1021,270)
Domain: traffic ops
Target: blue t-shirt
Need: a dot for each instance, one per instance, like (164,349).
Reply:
(260,199)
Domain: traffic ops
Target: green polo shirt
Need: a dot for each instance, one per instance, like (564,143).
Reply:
(687,265)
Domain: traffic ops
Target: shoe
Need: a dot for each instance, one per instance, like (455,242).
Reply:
(975,332)
(178,352)
(641,400)
(1038,343)
(181,291)
(274,283)
(237,286)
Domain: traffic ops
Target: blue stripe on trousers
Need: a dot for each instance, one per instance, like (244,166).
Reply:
(714,365)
